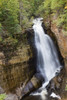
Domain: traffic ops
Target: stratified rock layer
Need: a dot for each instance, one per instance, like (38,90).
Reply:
(60,39)
(62,42)
(16,65)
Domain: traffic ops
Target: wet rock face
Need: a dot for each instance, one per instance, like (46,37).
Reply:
(60,39)
(62,42)
(16,65)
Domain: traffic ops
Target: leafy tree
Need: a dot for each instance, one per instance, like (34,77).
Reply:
(28,10)
(17,14)
(9,15)
(55,7)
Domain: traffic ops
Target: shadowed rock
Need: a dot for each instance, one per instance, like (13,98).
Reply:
(33,84)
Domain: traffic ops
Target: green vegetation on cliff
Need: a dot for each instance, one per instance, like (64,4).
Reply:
(9,15)
(9,23)
(17,15)
(58,9)
(66,88)
(54,8)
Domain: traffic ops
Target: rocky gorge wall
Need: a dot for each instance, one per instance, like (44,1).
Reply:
(60,39)
(62,43)
(59,34)
(16,65)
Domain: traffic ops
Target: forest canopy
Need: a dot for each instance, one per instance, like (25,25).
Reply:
(17,15)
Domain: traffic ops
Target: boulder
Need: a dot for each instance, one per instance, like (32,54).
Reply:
(33,84)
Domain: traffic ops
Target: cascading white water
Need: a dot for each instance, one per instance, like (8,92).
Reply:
(47,59)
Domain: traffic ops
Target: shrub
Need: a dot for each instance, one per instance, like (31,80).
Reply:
(2,96)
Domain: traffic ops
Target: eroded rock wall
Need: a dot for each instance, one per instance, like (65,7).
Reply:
(16,65)
(62,42)
(60,39)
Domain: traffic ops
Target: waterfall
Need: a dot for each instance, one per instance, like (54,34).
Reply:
(47,58)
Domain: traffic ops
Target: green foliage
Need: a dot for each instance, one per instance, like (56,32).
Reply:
(10,41)
(35,4)
(40,12)
(2,96)
(56,5)
(57,8)
(62,20)
(9,14)
(47,6)
(0,27)
(17,15)
(66,88)
(29,9)
(0,38)
(9,19)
